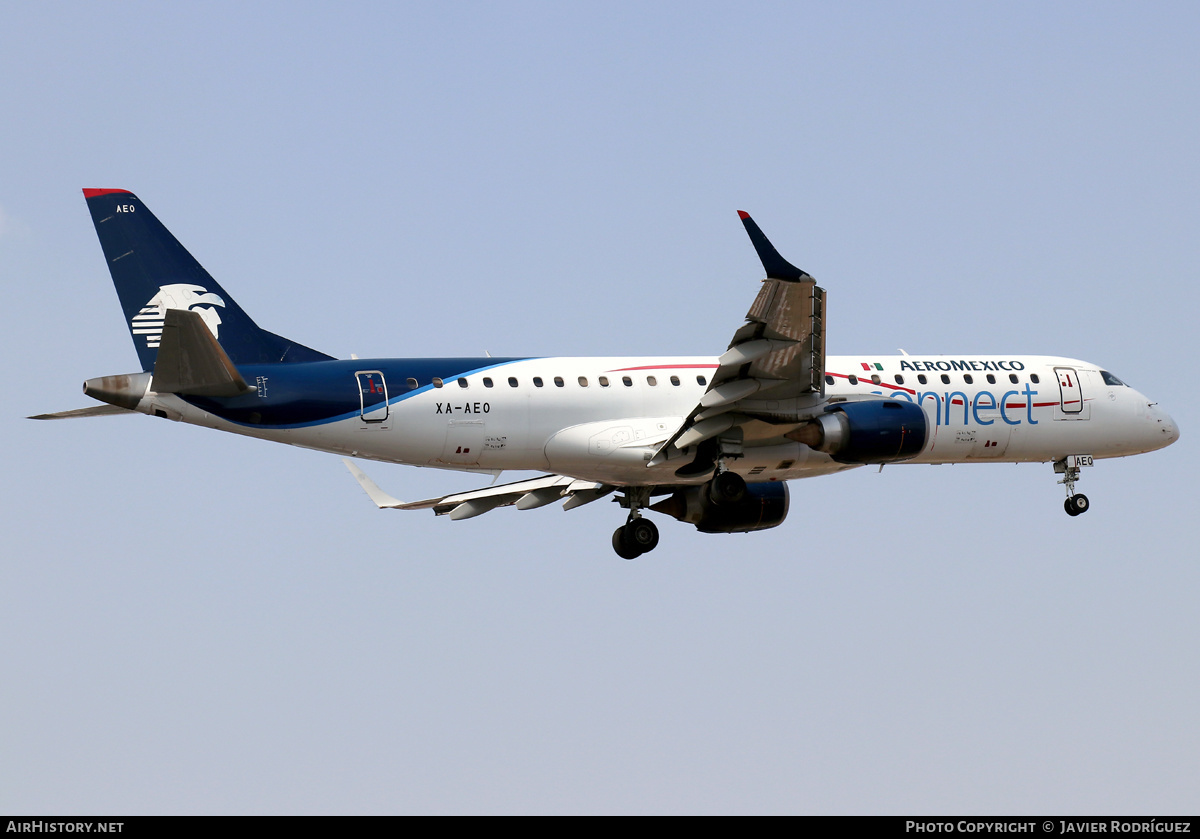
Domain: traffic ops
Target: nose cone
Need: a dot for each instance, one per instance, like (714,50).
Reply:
(1170,429)
(1165,431)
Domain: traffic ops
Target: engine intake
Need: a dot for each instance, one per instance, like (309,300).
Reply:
(876,431)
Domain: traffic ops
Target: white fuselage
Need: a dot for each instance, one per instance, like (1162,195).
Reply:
(602,419)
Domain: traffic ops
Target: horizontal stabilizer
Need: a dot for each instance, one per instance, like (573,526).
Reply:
(94,411)
(190,360)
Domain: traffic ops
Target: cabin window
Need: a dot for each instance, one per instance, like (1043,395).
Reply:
(512,381)
(945,379)
(604,381)
(583,381)
(852,379)
(537,381)
(1033,377)
(462,382)
(628,382)
(991,379)
(968,378)
(1012,377)
(650,380)
(922,379)
(829,380)
(675,381)
(412,384)
(487,382)
(437,382)
(899,379)
(875,378)
(558,381)
(700,380)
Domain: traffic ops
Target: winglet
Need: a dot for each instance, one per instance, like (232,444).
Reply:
(382,500)
(776,266)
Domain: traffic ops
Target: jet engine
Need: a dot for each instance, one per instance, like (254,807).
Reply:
(763,505)
(875,431)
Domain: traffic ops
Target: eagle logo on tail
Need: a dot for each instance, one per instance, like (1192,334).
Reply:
(149,321)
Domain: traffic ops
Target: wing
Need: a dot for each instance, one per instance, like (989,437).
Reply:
(778,353)
(526,495)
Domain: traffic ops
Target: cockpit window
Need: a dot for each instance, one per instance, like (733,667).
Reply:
(1110,379)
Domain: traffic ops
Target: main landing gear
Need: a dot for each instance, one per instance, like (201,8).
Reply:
(634,538)
(722,496)
(1069,467)
(638,535)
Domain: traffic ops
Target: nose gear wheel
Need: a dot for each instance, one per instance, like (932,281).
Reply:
(1076,503)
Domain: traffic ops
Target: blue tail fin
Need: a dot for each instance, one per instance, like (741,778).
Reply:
(154,273)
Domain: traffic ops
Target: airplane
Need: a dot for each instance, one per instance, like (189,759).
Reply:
(710,440)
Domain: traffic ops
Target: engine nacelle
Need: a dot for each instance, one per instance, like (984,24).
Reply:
(764,505)
(875,431)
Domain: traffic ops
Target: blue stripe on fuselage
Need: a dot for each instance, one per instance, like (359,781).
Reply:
(322,392)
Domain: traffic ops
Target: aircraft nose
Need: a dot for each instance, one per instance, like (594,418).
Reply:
(1170,429)
(1167,430)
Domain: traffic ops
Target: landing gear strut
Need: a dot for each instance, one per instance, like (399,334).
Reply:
(638,535)
(1069,467)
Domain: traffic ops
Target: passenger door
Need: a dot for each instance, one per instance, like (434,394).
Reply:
(1071,403)
(373,398)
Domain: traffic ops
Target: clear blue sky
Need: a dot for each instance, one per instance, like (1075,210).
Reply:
(194,622)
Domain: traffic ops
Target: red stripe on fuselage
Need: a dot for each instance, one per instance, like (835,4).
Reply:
(666,367)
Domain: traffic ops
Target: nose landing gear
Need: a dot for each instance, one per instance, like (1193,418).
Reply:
(1069,467)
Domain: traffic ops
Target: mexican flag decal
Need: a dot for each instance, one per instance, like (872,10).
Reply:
(872,366)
